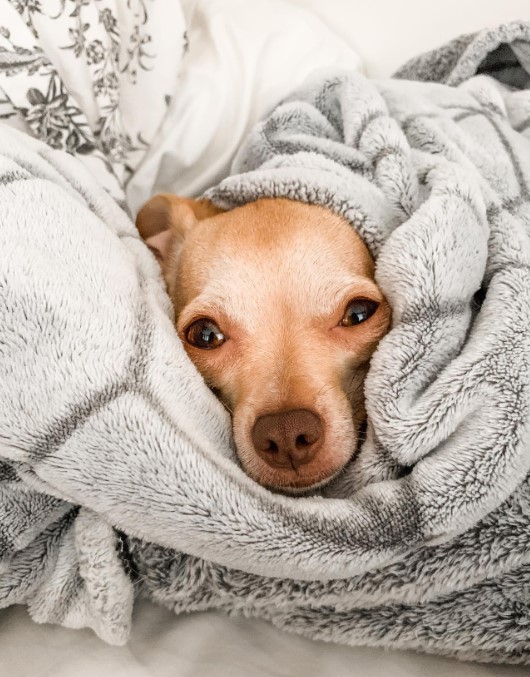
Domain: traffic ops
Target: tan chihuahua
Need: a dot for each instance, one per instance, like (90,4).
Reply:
(277,307)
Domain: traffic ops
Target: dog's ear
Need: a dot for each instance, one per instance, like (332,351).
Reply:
(165,220)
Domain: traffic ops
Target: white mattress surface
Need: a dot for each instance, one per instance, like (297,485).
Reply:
(206,645)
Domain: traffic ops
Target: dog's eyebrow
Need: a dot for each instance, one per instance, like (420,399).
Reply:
(356,287)
(325,300)
(213,306)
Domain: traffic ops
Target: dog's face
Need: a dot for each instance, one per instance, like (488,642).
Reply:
(277,307)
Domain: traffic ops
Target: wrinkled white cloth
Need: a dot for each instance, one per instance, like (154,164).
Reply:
(244,57)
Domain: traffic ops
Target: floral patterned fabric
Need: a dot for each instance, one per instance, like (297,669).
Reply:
(91,77)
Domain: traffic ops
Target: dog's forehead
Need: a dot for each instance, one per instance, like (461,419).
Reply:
(277,256)
(293,236)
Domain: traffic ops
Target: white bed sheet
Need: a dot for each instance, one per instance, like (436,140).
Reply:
(386,33)
(207,645)
(242,61)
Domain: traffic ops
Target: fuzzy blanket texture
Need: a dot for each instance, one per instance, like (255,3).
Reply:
(118,475)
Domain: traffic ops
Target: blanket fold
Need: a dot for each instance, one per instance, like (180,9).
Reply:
(117,471)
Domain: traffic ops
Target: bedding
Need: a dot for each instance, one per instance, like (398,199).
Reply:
(243,58)
(208,644)
(81,533)
(386,34)
(73,74)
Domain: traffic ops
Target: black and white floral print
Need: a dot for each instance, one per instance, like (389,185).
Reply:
(53,119)
(78,75)
(14,58)
(26,9)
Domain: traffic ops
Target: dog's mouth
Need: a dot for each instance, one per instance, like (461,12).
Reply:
(307,486)
(337,450)
(292,482)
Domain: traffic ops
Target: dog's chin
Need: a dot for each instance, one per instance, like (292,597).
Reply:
(305,480)
(308,490)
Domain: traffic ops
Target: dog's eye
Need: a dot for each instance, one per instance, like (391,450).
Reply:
(204,334)
(358,311)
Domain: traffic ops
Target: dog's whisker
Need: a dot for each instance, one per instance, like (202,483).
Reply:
(353,378)
(228,409)
(326,388)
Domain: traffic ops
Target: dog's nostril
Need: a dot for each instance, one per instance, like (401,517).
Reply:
(302,441)
(272,448)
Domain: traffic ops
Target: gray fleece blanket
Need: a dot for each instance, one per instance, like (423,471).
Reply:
(118,475)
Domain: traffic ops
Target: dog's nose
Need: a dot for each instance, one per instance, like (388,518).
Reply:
(288,439)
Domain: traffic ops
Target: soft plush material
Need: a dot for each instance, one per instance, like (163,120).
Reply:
(118,472)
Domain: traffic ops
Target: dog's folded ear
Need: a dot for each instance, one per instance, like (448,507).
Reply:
(164,221)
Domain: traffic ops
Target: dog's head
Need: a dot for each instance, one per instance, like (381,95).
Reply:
(277,307)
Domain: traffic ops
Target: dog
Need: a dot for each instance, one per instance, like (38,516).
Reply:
(277,307)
